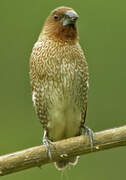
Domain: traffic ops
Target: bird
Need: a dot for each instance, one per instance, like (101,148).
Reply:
(59,80)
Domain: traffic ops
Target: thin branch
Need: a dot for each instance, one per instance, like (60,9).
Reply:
(37,156)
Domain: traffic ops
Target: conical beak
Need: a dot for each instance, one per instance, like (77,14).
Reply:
(70,17)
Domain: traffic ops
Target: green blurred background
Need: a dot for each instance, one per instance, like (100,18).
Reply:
(102,29)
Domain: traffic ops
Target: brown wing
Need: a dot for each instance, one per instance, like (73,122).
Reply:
(83,117)
(84,76)
(36,77)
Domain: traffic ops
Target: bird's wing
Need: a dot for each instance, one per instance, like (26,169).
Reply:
(83,117)
(36,77)
(84,76)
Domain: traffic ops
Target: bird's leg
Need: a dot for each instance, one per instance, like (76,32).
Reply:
(89,132)
(46,142)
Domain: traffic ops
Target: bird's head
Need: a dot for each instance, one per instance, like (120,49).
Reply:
(61,24)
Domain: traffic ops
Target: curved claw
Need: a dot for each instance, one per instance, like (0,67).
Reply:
(89,132)
(46,142)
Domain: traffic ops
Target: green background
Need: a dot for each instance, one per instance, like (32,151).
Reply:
(102,29)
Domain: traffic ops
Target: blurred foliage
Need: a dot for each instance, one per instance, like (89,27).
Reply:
(102,29)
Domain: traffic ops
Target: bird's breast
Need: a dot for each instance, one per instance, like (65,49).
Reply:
(62,76)
(64,104)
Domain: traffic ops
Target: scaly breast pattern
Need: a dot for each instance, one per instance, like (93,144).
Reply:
(59,79)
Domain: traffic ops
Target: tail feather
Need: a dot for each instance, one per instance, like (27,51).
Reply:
(62,164)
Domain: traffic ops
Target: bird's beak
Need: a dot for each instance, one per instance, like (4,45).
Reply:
(70,17)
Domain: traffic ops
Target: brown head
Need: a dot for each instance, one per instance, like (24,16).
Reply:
(61,25)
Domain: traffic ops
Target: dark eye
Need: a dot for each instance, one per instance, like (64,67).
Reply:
(56,16)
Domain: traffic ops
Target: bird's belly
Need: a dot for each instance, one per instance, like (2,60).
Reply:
(64,120)
(64,103)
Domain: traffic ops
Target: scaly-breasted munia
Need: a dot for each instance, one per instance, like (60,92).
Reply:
(59,79)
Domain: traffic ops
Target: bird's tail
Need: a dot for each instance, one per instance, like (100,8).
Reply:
(62,164)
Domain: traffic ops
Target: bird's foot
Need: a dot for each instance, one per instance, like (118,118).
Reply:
(46,142)
(90,133)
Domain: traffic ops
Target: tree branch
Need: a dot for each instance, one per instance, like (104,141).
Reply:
(37,156)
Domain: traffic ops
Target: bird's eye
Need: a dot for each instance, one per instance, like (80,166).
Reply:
(56,17)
